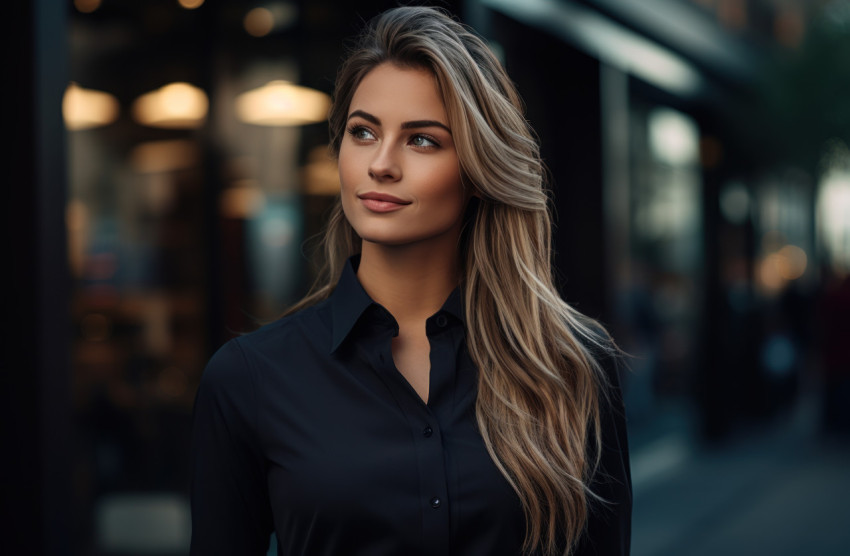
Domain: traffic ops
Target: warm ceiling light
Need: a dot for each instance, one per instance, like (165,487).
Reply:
(176,105)
(86,6)
(280,103)
(85,108)
(190,4)
(259,22)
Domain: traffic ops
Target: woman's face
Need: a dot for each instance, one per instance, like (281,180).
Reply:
(398,166)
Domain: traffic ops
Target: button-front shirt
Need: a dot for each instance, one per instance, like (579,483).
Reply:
(305,428)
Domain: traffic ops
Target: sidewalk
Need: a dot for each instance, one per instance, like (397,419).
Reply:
(783,492)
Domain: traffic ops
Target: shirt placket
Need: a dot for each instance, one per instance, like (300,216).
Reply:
(427,434)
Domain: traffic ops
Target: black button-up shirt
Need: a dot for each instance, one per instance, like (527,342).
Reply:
(306,428)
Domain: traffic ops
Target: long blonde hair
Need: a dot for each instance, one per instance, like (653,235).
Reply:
(539,382)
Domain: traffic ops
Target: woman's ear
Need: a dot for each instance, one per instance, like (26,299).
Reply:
(471,190)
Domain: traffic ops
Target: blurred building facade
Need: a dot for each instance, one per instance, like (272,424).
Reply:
(177,154)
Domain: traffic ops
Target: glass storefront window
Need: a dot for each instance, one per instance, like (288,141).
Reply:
(198,168)
(662,304)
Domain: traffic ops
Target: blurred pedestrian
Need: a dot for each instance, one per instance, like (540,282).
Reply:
(835,356)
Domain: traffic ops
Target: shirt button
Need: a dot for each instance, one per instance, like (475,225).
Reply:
(442,321)
(427,432)
(435,502)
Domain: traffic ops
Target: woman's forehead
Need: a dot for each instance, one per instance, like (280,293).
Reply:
(402,93)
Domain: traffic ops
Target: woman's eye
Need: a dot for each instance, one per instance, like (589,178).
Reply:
(361,133)
(423,141)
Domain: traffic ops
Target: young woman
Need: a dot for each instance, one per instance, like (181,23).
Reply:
(433,395)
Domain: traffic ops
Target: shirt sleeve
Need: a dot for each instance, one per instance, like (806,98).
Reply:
(230,503)
(609,522)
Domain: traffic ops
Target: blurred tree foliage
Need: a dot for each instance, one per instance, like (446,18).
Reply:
(807,90)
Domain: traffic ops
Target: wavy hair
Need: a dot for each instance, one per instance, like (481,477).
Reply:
(539,382)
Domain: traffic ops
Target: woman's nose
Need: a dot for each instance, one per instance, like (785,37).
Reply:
(385,165)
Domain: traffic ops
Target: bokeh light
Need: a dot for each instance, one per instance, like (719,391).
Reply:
(176,105)
(87,6)
(259,22)
(87,108)
(280,103)
(190,4)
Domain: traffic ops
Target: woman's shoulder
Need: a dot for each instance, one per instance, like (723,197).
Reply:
(272,343)
(311,323)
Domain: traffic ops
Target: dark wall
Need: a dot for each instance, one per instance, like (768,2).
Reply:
(35,388)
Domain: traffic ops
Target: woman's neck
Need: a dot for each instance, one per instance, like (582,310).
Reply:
(411,282)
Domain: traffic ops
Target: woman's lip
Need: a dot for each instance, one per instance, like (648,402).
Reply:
(374,196)
(381,202)
(376,205)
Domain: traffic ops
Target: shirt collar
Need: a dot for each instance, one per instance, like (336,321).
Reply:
(454,305)
(349,301)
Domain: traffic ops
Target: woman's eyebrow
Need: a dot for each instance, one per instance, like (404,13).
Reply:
(424,123)
(406,125)
(366,116)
